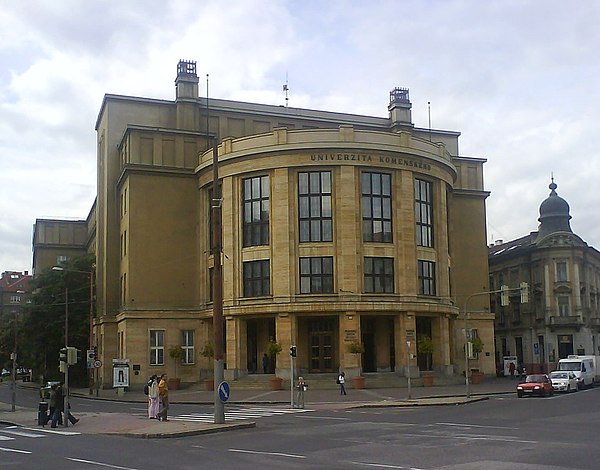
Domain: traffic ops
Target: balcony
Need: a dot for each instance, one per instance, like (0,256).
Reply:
(571,321)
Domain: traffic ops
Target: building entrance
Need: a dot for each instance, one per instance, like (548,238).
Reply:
(321,333)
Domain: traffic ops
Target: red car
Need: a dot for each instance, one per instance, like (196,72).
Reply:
(536,384)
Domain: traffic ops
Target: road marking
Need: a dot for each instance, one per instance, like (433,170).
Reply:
(4,449)
(6,438)
(470,437)
(325,417)
(278,454)
(382,465)
(474,426)
(238,414)
(54,431)
(20,433)
(91,462)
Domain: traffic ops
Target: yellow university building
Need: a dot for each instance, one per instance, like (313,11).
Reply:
(338,229)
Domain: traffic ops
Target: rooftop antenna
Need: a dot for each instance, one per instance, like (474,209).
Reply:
(207,111)
(429,112)
(286,89)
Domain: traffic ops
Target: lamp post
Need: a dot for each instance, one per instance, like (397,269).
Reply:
(14,360)
(91,319)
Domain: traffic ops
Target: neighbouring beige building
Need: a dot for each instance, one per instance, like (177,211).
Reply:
(337,229)
(562,315)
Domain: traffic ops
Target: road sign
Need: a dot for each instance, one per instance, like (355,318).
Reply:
(224,391)
(97,364)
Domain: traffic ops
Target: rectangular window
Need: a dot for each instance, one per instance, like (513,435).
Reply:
(379,275)
(62,259)
(187,344)
(257,281)
(376,189)
(157,347)
(424,212)
(316,275)
(314,206)
(15,299)
(256,211)
(561,271)
(563,305)
(426,273)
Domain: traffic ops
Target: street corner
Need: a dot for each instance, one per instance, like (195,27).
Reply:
(175,429)
(441,401)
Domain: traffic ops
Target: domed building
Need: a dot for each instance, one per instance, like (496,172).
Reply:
(562,315)
(354,238)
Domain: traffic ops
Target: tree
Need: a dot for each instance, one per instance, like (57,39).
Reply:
(42,326)
(176,353)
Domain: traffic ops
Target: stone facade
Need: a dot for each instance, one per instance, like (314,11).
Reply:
(337,229)
(562,315)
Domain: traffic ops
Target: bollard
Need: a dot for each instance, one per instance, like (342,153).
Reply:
(42,413)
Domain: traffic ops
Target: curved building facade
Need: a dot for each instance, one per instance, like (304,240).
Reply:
(338,230)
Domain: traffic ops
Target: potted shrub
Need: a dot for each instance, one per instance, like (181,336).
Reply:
(208,351)
(359,349)
(175,353)
(476,376)
(426,347)
(274,348)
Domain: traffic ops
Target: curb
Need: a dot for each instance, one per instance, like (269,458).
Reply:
(195,432)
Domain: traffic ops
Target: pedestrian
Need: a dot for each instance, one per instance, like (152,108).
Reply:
(301,388)
(511,370)
(52,404)
(341,380)
(59,405)
(265,362)
(153,397)
(163,395)
(72,419)
(523,372)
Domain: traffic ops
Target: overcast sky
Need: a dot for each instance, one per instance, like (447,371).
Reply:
(519,79)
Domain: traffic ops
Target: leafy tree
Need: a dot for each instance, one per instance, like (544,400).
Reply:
(43,324)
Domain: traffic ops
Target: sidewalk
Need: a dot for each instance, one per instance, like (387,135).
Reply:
(142,427)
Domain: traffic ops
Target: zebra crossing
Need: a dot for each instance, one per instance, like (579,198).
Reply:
(239,414)
(11,433)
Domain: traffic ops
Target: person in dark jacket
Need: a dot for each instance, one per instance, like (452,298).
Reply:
(59,404)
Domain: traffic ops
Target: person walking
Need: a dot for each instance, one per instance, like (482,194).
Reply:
(52,404)
(163,395)
(153,397)
(301,388)
(342,381)
(59,405)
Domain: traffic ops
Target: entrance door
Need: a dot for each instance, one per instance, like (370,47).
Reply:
(565,346)
(321,334)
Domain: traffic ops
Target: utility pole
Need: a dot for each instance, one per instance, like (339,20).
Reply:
(66,387)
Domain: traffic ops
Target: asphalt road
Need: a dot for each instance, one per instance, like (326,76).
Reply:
(500,433)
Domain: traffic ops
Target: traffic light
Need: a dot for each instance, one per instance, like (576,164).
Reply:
(293,351)
(71,356)
(62,367)
(504,296)
(524,292)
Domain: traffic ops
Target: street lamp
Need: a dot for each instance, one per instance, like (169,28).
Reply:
(14,359)
(91,317)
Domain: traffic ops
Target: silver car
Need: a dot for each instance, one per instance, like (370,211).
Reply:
(564,381)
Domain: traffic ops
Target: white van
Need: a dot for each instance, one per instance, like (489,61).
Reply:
(582,366)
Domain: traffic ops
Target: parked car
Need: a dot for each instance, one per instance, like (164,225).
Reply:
(564,381)
(5,373)
(535,384)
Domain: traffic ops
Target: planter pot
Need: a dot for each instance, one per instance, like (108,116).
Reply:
(173,384)
(209,384)
(359,382)
(428,381)
(476,377)
(276,383)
